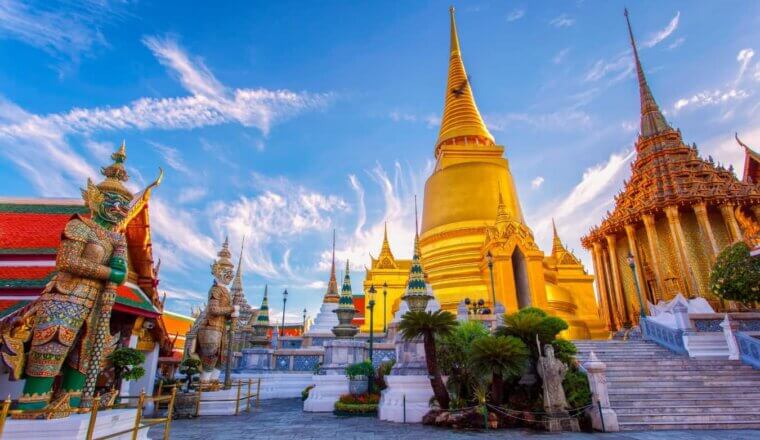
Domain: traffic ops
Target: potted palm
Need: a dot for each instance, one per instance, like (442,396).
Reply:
(358,375)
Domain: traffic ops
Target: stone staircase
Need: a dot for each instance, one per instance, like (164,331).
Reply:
(652,388)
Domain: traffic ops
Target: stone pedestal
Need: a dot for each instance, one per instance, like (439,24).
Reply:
(560,421)
(605,419)
(276,385)
(256,360)
(410,358)
(75,426)
(327,390)
(324,322)
(340,353)
(220,403)
(407,399)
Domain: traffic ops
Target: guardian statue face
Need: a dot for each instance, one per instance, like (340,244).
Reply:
(223,273)
(114,208)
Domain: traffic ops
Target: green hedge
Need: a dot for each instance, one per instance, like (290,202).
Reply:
(356,408)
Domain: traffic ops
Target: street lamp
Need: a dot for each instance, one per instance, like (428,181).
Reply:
(284,300)
(385,303)
(489,258)
(632,264)
(371,307)
(303,327)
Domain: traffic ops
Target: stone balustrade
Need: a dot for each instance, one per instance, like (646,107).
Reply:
(670,338)
(749,348)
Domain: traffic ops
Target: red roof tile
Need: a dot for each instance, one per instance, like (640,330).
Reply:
(25,273)
(16,231)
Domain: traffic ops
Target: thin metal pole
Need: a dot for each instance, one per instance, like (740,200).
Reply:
(93,417)
(642,312)
(493,288)
(601,414)
(248,397)
(138,417)
(237,399)
(370,378)
(170,414)
(385,310)
(228,367)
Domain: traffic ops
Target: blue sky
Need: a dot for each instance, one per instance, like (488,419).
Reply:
(282,120)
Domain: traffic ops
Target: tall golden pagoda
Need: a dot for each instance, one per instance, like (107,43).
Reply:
(674,215)
(471,212)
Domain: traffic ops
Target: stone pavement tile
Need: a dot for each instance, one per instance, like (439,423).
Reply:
(284,420)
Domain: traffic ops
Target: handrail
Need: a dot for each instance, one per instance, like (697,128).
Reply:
(140,422)
(670,338)
(247,397)
(749,349)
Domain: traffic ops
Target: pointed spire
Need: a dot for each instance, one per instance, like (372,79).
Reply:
(502,216)
(652,120)
(461,120)
(332,295)
(557,246)
(263,316)
(417,250)
(346,295)
(385,250)
(416,294)
(238,298)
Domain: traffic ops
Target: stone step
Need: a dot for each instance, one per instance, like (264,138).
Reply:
(692,368)
(651,426)
(666,404)
(680,393)
(685,410)
(681,384)
(664,363)
(744,416)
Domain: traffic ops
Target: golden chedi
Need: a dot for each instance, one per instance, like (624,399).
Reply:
(471,211)
(674,216)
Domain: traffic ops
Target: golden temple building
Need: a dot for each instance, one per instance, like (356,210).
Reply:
(674,216)
(471,211)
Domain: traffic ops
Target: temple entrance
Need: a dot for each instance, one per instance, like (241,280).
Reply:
(520,271)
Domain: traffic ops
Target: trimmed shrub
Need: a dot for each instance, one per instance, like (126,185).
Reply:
(735,276)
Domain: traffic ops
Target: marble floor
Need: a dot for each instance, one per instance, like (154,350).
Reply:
(283,419)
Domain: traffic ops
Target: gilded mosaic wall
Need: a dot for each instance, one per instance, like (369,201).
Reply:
(670,271)
(626,275)
(696,251)
(646,264)
(719,228)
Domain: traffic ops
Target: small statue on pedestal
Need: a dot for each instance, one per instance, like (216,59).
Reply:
(552,372)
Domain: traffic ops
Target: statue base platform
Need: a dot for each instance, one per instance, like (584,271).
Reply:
(340,353)
(255,360)
(220,403)
(410,358)
(560,421)
(75,426)
(327,390)
(407,399)
(277,385)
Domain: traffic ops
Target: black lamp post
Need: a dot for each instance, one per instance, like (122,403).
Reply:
(489,258)
(478,307)
(371,307)
(303,327)
(284,300)
(385,303)
(632,264)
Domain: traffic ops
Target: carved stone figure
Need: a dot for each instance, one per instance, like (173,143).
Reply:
(66,330)
(219,311)
(552,372)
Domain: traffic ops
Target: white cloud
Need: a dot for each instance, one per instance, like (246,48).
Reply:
(194,75)
(172,157)
(679,41)
(575,213)
(537,182)
(68,30)
(620,66)
(744,58)
(562,21)
(709,98)
(560,56)
(398,116)
(192,194)
(432,121)
(516,14)
(664,33)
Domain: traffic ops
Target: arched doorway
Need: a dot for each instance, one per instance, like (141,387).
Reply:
(520,270)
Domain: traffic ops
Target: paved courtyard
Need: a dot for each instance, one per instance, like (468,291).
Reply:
(284,420)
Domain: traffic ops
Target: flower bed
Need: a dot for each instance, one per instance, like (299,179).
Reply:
(350,405)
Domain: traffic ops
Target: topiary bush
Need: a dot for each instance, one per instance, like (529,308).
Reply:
(365,369)
(127,364)
(577,389)
(357,405)
(735,276)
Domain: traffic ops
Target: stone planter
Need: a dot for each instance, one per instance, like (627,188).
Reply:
(358,385)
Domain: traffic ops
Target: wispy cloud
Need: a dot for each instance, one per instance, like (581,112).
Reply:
(193,74)
(560,56)
(67,30)
(618,67)
(559,120)
(562,21)
(664,33)
(678,41)
(744,57)
(516,14)
(172,157)
(192,194)
(537,182)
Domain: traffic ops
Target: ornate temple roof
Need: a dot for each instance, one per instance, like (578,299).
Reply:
(751,163)
(385,260)
(667,172)
(461,118)
(560,251)
(332,295)
(263,312)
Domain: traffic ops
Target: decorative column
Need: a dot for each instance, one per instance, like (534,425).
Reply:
(603,417)
(617,280)
(601,286)
(630,231)
(727,209)
(654,249)
(617,310)
(700,210)
(679,243)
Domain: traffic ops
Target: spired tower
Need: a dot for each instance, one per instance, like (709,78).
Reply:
(472,213)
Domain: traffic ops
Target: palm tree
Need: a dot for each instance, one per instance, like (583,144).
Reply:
(429,325)
(502,357)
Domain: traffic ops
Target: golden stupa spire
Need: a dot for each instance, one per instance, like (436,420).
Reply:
(417,251)
(332,295)
(557,246)
(502,216)
(461,121)
(652,120)
(385,251)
